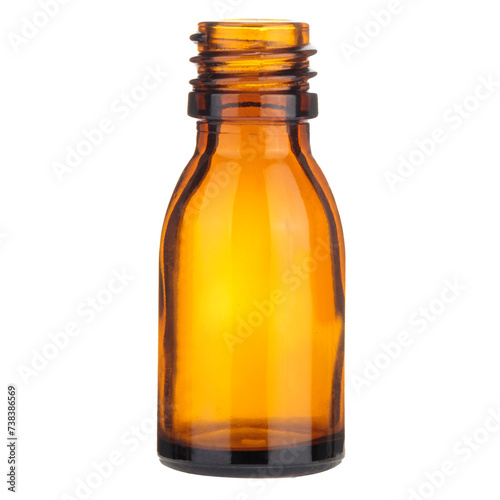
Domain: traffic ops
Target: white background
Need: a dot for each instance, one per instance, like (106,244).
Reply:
(61,240)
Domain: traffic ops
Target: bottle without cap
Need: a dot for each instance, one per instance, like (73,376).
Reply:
(252,269)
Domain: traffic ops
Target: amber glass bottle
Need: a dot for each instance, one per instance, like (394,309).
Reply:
(251,309)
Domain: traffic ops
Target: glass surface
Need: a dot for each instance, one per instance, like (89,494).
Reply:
(251,323)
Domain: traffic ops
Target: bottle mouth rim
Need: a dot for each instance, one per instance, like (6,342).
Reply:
(254,22)
(262,35)
(252,55)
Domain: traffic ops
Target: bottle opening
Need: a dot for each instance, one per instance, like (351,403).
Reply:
(250,35)
(253,57)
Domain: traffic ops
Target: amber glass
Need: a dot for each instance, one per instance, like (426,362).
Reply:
(251,309)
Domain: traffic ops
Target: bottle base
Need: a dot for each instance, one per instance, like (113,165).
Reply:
(257,471)
(274,463)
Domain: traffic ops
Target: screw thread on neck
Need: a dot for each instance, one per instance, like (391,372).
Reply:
(259,58)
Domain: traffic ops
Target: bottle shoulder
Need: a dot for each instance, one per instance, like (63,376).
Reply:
(220,204)
(289,189)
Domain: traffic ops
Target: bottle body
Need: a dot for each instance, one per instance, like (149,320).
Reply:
(252,273)
(251,308)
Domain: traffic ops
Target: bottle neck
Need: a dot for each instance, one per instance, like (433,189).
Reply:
(262,106)
(253,69)
(251,140)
